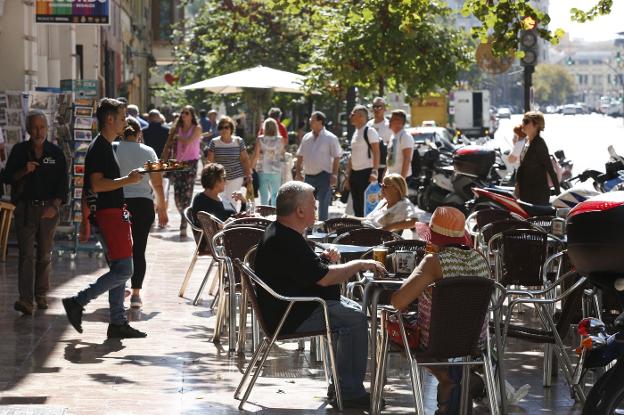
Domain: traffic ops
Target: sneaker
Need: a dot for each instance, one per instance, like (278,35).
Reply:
(74,312)
(42,303)
(135,301)
(23,307)
(123,331)
(363,402)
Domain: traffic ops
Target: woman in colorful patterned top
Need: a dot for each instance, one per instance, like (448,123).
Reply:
(453,259)
(268,160)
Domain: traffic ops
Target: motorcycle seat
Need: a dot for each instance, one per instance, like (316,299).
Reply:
(501,191)
(537,210)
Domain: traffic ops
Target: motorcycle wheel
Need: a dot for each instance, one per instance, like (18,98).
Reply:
(607,395)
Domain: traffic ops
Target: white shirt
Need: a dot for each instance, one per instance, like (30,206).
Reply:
(319,152)
(382,216)
(131,156)
(517,151)
(359,149)
(383,130)
(399,142)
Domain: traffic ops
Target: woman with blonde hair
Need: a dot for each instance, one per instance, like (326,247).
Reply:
(268,161)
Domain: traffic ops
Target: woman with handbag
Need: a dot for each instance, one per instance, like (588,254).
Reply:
(184,141)
(229,151)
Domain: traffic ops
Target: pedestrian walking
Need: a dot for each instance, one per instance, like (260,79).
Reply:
(229,150)
(276,114)
(318,157)
(400,146)
(363,165)
(268,160)
(139,199)
(381,124)
(103,194)
(184,140)
(208,122)
(37,172)
(155,134)
(133,111)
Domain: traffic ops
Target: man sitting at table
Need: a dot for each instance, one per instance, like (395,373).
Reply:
(285,261)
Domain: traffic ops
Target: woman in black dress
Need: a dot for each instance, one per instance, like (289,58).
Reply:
(536,168)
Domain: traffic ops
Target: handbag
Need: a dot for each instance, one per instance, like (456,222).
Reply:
(411,330)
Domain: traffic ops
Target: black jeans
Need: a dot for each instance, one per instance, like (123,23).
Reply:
(142,211)
(358,180)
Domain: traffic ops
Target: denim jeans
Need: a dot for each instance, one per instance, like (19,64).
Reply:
(269,185)
(350,339)
(323,193)
(114,281)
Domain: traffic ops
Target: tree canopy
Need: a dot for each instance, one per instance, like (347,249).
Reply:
(553,84)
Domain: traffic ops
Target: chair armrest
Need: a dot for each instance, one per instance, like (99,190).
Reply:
(398,226)
(556,299)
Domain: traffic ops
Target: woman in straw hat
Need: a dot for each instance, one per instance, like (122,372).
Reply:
(453,259)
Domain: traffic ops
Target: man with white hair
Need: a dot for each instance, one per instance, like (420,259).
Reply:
(133,111)
(37,172)
(285,261)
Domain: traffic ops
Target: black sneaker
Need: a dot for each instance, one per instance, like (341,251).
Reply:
(74,312)
(123,331)
(363,402)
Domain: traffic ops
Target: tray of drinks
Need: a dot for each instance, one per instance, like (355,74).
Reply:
(163,166)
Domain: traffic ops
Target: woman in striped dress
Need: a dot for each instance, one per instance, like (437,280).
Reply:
(229,151)
(452,259)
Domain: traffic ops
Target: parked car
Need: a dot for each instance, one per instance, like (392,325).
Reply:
(569,109)
(503,113)
(441,137)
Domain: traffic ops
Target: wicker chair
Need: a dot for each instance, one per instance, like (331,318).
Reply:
(234,244)
(335,224)
(544,222)
(265,210)
(201,247)
(248,221)
(210,225)
(251,283)
(488,231)
(6,213)
(452,334)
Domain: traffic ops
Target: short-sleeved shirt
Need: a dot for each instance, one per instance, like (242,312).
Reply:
(285,261)
(399,142)
(228,155)
(155,136)
(319,152)
(48,181)
(383,129)
(359,149)
(131,156)
(271,158)
(222,210)
(101,158)
(382,215)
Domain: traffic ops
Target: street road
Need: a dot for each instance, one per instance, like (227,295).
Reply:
(584,138)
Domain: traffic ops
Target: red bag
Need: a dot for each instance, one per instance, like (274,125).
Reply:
(411,331)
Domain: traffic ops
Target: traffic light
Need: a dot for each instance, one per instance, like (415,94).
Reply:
(569,61)
(528,41)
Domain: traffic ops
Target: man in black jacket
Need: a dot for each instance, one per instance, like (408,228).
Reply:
(37,173)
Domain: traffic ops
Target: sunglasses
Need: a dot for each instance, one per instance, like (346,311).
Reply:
(377,106)
(224,127)
(525,122)
(186,113)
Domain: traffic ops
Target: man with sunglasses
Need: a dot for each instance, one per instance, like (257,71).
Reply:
(381,124)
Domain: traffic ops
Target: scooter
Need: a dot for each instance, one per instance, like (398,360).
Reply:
(595,244)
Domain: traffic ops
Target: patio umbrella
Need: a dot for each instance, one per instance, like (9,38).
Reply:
(258,77)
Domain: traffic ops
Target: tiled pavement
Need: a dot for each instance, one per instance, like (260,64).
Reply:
(48,368)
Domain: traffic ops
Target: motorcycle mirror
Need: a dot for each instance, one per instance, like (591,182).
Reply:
(618,284)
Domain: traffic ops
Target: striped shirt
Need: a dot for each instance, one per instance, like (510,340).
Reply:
(455,262)
(228,155)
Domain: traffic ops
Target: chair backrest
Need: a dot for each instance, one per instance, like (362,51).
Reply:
(334,224)
(252,221)
(250,257)
(251,284)
(188,215)
(522,253)
(455,333)
(487,216)
(265,210)
(237,241)
(415,245)
(366,237)
(499,226)
(210,225)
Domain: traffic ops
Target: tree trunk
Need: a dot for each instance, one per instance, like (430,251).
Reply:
(351,95)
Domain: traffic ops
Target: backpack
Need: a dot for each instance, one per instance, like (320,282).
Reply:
(383,149)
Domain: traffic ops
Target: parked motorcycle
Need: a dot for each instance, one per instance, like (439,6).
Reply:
(595,243)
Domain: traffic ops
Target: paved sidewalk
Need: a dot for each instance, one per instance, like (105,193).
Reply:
(46,366)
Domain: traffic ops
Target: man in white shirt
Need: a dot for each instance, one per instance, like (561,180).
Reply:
(382,126)
(364,162)
(319,155)
(400,147)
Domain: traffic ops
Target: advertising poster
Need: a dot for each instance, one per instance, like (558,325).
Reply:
(72,11)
